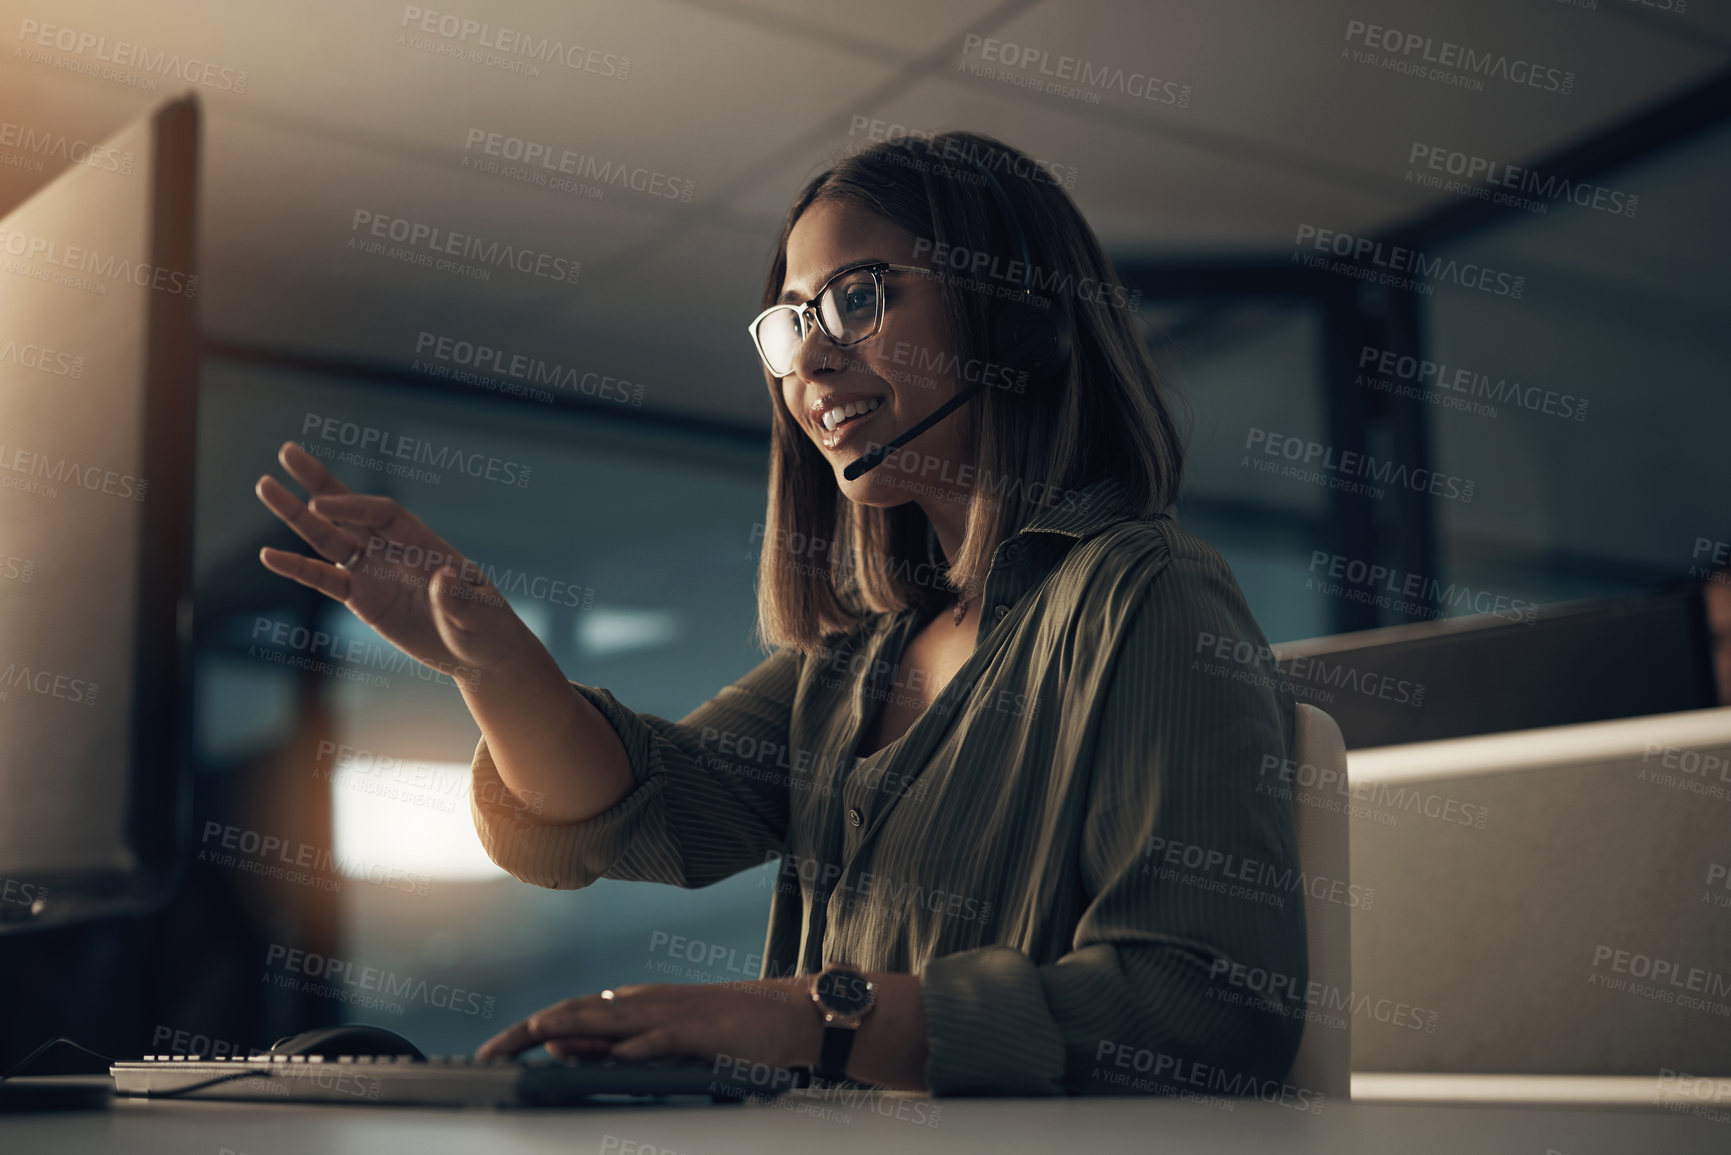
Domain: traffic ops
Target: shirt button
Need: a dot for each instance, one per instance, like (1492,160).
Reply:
(1000,611)
(853,816)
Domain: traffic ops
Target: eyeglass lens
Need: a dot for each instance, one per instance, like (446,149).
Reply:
(847,311)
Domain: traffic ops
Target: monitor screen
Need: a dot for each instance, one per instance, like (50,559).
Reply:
(97,367)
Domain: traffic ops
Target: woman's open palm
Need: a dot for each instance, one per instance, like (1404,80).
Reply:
(401,578)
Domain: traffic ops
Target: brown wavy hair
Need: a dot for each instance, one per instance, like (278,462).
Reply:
(829,564)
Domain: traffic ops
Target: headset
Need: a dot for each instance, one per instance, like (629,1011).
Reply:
(1027,337)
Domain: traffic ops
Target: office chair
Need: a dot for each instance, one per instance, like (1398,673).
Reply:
(1324,1060)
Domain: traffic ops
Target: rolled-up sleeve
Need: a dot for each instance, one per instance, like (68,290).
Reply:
(699,812)
(1176,761)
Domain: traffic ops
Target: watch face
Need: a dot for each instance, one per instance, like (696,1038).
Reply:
(844,992)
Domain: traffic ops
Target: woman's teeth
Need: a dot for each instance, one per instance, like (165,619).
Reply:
(834,417)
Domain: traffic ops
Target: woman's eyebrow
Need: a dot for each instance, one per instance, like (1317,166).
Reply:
(792,296)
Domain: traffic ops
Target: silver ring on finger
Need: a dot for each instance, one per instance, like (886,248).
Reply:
(351,559)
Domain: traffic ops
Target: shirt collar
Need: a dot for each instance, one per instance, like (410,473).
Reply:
(1025,559)
(1081,512)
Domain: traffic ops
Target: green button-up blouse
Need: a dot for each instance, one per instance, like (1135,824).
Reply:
(1058,846)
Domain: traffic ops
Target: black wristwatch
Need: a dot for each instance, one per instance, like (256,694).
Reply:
(844,997)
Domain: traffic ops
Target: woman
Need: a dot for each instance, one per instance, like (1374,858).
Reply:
(1004,776)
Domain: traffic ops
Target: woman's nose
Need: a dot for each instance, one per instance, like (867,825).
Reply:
(816,354)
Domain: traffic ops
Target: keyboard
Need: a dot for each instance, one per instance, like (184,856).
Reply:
(442,1080)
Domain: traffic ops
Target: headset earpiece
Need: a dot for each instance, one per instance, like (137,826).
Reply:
(1026,337)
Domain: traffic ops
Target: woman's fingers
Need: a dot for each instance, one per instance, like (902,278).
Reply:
(309,470)
(317,532)
(376,512)
(605,1016)
(326,579)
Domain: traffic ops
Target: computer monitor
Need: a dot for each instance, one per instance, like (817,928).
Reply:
(98,367)
(1561,664)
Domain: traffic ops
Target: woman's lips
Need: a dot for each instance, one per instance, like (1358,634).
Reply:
(847,431)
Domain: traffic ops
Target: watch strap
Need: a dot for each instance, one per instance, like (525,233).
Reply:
(832,1058)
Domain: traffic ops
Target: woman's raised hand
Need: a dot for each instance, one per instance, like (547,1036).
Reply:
(392,572)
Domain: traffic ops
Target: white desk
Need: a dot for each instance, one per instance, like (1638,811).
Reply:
(984,1126)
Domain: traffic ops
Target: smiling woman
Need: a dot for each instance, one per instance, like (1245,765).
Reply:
(1022,829)
(975,247)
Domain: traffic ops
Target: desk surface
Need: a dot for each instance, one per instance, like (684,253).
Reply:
(811,1126)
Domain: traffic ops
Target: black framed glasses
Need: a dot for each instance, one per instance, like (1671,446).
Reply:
(849,308)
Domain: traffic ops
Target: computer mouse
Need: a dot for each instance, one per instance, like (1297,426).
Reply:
(347,1039)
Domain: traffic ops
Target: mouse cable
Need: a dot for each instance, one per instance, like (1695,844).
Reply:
(18,1067)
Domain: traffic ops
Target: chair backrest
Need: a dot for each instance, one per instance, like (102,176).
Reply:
(1324,1060)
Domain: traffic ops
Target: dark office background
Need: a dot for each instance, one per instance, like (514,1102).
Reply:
(645,493)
